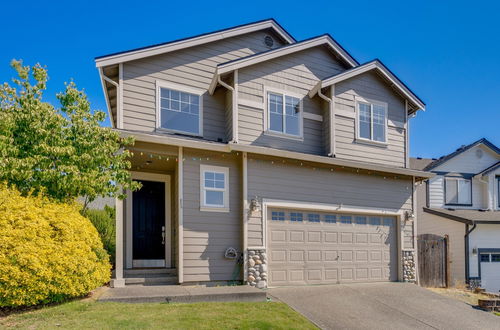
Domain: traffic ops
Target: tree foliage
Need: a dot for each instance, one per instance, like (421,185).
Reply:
(63,152)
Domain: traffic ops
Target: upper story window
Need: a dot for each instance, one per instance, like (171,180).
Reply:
(179,108)
(284,115)
(458,191)
(372,120)
(214,188)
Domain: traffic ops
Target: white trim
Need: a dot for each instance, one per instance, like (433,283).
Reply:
(105,91)
(337,208)
(204,207)
(130,262)
(180,215)
(313,116)
(357,101)
(245,213)
(118,280)
(251,104)
(179,88)
(267,114)
(406,126)
(285,50)
(194,41)
(119,108)
(367,67)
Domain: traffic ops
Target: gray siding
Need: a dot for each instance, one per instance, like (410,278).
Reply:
(193,67)
(370,86)
(296,73)
(303,183)
(208,234)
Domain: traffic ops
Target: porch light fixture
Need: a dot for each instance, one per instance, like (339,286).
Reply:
(474,251)
(409,216)
(255,204)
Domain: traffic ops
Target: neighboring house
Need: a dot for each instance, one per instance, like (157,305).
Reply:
(290,152)
(462,201)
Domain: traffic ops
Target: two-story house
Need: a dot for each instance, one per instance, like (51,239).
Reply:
(250,143)
(462,201)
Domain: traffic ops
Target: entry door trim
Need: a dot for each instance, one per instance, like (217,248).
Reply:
(130,263)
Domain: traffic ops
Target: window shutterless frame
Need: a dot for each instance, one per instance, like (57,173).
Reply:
(204,206)
(445,192)
(267,114)
(179,88)
(370,103)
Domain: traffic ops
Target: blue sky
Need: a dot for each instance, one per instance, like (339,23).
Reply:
(448,52)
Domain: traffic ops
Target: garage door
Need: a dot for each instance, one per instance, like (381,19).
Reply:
(490,271)
(325,248)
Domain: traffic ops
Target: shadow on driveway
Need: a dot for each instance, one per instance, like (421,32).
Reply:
(382,306)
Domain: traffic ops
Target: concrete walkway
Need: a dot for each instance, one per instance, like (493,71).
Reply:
(182,294)
(382,306)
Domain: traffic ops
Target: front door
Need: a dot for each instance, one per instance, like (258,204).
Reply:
(149,225)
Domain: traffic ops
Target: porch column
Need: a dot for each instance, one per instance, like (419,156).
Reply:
(119,281)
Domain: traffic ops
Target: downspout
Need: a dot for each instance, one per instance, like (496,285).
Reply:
(330,103)
(234,107)
(466,243)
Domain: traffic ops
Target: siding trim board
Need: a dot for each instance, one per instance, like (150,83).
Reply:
(179,44)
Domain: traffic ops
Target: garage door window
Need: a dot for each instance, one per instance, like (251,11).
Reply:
(294,216)
(313,217)
(346,219)
(387,222)
(278,216)
(375,221)
(361,220)
(485,258)
(495,258)
(330,218)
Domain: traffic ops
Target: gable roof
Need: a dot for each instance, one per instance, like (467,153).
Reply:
(322,40)
(166,47)
(378,66)
(460,150)
(489,169)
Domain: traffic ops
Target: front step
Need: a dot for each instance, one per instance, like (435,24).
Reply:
(150,276)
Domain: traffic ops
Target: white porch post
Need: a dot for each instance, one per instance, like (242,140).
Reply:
(119,281)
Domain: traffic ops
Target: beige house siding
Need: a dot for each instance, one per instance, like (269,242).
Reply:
(193,67)
(369,86)
(208,234)
(293,182)
(433,224)
(297,73)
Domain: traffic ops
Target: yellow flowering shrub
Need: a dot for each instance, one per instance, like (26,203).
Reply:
(49,252)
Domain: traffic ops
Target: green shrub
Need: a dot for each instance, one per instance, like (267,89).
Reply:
(104,222)
(49,252)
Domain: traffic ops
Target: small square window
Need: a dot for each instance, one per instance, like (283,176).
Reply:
(214,191)
(495,258)
(345,219)
(360,220)
(278,216)
(313,217)
(294,216)
(330,218)
(484,257)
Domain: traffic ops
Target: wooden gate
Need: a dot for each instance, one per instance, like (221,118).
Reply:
(433,260)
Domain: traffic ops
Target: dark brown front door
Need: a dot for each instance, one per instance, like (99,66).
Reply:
(148,221)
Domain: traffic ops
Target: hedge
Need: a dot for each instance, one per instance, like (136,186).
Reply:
(49,252)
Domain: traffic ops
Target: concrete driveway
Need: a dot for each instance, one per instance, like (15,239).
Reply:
(382,306)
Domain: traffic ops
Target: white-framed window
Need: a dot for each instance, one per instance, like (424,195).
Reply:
(458,191)
(284,114)
(179,108)
(214,188)
(372,120)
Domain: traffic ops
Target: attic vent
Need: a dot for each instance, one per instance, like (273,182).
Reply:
(479,153)
(268,41)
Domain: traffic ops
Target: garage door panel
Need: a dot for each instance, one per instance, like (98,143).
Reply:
(362,249)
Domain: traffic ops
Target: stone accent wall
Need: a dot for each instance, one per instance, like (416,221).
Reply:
(257,268)
(409,269)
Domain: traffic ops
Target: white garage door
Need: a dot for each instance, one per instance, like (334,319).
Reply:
(490,271)
(323,248)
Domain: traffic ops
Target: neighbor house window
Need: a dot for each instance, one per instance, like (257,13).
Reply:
(179,110)
(372,121)
(214,192)
(458,191)
(284,114)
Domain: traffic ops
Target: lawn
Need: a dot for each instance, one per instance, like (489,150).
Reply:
(86,314)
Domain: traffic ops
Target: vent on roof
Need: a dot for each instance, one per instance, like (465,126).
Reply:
(268,41)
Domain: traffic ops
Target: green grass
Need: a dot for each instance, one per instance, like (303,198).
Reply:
(94,315)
